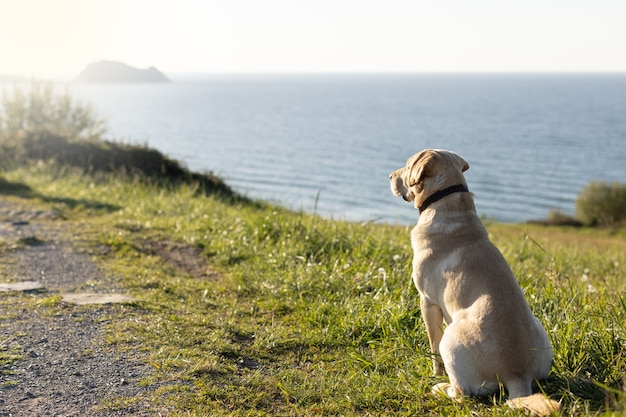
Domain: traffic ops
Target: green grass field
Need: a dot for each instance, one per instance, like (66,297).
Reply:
(250,309)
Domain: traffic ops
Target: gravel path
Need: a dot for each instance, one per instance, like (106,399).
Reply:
(66,368)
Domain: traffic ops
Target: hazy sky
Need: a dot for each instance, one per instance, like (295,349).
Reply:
(59,37)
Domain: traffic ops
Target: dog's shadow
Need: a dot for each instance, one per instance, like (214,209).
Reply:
(567,390)
(578,388)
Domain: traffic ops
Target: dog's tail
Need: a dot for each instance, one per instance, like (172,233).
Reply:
(537,404)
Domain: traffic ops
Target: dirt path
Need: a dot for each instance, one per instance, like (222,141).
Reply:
(65,367)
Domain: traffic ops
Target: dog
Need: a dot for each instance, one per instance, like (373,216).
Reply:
(480,327)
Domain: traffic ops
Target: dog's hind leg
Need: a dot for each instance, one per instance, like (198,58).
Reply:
(463,363)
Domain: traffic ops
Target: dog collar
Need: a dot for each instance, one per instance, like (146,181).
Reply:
(459,188)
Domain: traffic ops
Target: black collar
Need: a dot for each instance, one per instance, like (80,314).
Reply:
(459,188)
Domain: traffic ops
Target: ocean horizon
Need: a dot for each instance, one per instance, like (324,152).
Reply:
(326,143)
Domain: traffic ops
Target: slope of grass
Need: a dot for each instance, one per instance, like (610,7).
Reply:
(96,156)
(291,314)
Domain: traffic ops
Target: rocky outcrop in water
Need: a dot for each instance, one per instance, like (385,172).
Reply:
(118,72)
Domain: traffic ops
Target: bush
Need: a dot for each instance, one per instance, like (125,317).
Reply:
(41,109)
(602,204)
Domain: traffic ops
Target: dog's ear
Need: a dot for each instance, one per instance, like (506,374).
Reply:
(462,163)
(419,168)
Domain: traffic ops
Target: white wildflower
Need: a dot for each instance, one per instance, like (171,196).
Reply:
(585,276)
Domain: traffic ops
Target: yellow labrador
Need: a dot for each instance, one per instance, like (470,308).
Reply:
(480,327)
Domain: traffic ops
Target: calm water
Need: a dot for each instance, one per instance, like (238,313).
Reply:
(327,143)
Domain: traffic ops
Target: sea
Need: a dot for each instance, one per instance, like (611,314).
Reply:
(326,143)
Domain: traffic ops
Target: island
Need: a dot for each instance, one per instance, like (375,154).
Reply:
(119,72)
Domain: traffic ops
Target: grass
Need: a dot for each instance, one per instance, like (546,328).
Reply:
(294,315)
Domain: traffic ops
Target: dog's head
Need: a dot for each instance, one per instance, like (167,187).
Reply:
(427,172)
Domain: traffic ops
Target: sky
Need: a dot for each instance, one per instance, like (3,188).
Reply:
(58,38)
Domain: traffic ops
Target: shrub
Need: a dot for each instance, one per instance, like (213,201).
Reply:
(602,204)
(42,109)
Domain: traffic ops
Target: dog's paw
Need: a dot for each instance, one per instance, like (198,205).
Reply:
(537,404)
(446,390)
